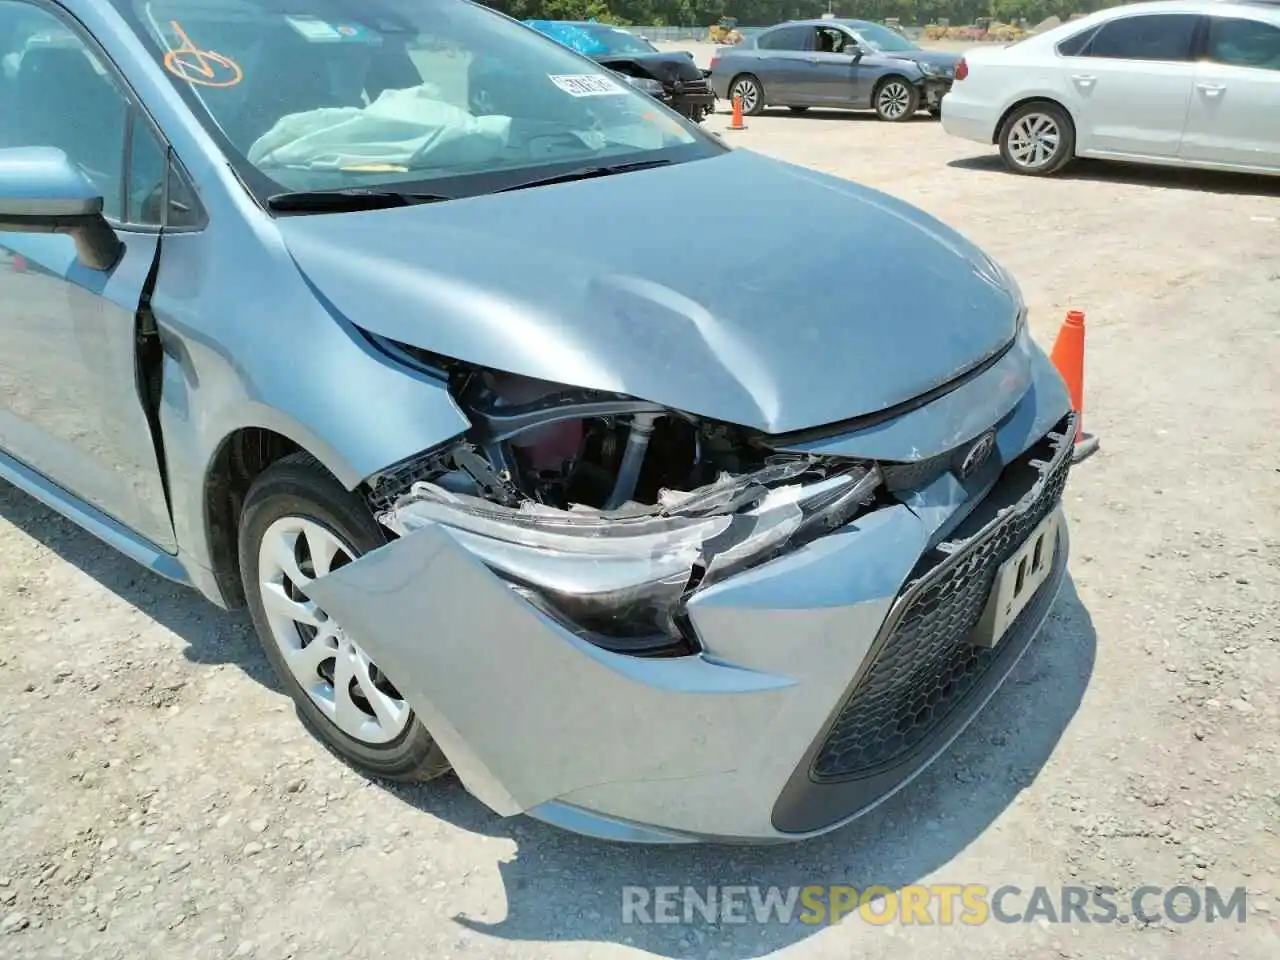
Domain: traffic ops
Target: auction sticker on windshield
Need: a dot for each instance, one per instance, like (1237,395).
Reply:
(321,31)
(587,85)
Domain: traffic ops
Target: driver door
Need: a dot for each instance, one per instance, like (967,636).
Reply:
(839,79)
(70,405)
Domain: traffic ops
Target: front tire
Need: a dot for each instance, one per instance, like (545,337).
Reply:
(749,88)
(1037,139)
(896,100)
(299,523)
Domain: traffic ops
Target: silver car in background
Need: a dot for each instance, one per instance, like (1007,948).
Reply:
(834,64)
(634,546)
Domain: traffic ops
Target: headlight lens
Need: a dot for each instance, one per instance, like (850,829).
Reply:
(620,581)
(646,85)
(929,70)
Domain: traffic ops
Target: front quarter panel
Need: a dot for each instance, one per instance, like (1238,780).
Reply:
(248,343)
(882,66)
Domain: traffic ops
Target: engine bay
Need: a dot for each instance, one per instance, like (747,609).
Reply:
(607,512)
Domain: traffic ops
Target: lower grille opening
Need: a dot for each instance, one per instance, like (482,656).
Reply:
(925,665)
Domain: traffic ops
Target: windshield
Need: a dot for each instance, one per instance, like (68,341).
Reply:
(309,95)
(883,39)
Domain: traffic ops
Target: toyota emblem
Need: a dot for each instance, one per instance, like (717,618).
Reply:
(977,454)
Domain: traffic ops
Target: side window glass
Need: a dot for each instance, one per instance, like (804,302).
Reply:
(146,176)
(184,205)
(1156,37)
(55,92)
(1074,45)
(786,38)
(160,193)
(834,41)
(1244,43)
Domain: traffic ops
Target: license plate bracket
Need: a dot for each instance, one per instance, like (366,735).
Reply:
(1017,581)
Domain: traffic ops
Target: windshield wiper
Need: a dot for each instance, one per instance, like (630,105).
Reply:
(587,173)
(349,200)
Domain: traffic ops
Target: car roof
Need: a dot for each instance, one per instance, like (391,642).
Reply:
(1244,7)
(840,22)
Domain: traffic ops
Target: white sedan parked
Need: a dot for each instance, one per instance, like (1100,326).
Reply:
(1192,84)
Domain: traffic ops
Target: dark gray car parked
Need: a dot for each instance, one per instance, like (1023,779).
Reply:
(842,64)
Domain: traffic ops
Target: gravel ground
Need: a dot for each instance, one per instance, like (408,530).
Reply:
(159,800)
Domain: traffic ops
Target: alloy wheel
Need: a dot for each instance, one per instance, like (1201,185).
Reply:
(749,92)
(894,100)
(336,674)
(1033,140)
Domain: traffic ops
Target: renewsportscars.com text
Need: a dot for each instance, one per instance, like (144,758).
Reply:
(930,904)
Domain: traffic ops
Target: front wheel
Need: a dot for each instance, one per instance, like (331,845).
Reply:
(896,100)
(1037,139)
(752,93)
(299,524)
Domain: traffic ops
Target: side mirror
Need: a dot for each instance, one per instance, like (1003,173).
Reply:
(41,191)
(855,52)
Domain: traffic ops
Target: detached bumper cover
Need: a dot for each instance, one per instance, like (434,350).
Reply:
(690,98)
(934,90)
(828,678)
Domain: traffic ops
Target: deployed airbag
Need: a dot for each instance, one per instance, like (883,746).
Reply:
(411,127)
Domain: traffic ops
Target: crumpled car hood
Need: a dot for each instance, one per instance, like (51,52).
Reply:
(667,67)
(737,288)
(937,58)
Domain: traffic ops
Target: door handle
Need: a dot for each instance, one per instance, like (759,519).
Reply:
(1211,89)
(1084,79)
(815,59)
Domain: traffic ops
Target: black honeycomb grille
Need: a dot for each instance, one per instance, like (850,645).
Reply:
(926,666)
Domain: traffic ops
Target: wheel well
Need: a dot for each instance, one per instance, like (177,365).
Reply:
(243,455)
(995,134)
(892,76)
(744,73)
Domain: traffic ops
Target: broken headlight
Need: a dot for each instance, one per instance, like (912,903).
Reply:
(647,85)
(620,578)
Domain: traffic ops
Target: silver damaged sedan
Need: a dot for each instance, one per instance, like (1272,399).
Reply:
(656,519)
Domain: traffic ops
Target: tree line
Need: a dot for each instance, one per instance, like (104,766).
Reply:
(686,13)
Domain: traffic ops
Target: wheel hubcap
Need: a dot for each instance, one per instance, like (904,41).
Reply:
(1034,140)
(749,93)
(894,100)
(334,671)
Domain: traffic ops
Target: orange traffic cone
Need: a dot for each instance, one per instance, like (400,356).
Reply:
(19,263)
(736,123)
(1068,357)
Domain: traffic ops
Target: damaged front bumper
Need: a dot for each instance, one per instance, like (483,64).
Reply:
(694,100)
(934,90)
(823,681)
